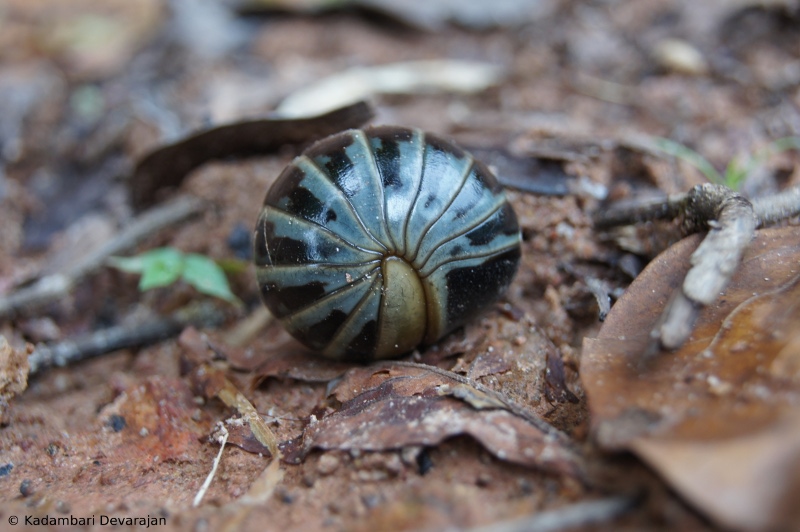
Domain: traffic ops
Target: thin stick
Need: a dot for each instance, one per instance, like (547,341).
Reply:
(581,514)
(778,207)
(640,211)
(768,209)
(204,314)
(204,488)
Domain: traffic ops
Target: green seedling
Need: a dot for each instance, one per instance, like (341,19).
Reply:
(738,167)
(164,266)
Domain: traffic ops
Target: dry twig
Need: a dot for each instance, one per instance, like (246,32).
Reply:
(778,207)
(97,343)
(731,221)
(581,514)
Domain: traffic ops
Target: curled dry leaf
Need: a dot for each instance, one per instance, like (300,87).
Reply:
(395,407)
(719,417)
(424,16)
(434,16)
(528,172)
(168,165)
(240,435)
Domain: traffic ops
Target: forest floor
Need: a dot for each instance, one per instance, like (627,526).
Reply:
(538,410)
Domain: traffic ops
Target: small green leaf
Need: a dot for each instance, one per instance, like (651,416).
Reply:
(207,277)
(158,267)
(162,267)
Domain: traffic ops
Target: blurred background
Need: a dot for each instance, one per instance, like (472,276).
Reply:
(87,87)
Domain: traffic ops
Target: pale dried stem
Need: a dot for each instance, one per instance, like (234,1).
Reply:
(204,314)
(583,514)
(204,488)
(778,207)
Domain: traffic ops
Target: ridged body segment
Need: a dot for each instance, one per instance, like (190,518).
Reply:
(374,241)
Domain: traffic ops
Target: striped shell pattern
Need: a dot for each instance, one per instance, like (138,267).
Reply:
(375,241)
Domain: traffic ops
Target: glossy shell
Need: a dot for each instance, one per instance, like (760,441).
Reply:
(375,241)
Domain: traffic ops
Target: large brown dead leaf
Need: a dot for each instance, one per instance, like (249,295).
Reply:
(719,419)
(395,407)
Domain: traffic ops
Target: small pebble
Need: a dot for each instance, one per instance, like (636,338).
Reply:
(483,480)
(239,241)
(393,464)
(680,56)
(371,500)
(328,463)
(717,386)
(372,476)
(26,488)
(409,454)
(117,422)
(284,495)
